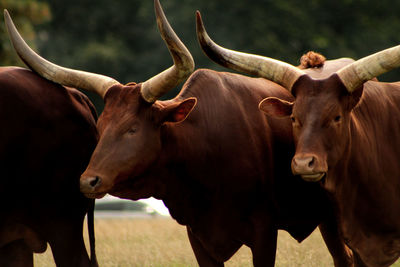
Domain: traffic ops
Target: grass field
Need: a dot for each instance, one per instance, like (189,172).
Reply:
(162,242)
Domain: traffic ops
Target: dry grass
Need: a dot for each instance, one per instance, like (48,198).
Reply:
(163,243)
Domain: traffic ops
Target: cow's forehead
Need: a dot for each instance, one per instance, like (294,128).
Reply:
(122,104)
(120,95)
(317,95)
(318,89)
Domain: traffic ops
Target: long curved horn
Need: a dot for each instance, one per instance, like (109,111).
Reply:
(68,77)
(364,69)
(271,69)
(158,85)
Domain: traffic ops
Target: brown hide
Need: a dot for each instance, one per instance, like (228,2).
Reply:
(353,140)
(224,172)
(48,134)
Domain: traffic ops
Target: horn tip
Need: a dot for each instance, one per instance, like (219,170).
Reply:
(198,17)
(199,23)
(6,14)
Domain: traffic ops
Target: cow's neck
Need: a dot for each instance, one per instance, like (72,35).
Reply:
(185,199)
(363,184)
(184,196)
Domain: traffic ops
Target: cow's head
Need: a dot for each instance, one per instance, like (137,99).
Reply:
(130,138)
(129,126)
(322,108)
(320,118)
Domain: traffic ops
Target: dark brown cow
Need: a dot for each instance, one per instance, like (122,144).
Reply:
(48,134)
(218,163)
(347,134)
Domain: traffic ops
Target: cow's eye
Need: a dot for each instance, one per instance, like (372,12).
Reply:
(132,131)
(337,118)
(292,119)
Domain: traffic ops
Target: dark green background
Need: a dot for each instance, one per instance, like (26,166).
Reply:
(119,38)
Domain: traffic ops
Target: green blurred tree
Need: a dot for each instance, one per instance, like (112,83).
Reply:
(120,39)
(26,14)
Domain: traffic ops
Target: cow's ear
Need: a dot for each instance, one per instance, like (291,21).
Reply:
(178,111)
(276,107)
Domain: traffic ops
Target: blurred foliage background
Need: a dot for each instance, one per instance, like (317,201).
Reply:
(120,39)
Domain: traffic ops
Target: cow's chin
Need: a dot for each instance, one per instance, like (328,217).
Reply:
(130,192)
(133,188)
(95,195)
(315,177)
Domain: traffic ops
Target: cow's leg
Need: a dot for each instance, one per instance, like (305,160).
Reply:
(66,242)
(203,258)
(17,231)
(264,246)
(341,254)
(16,254)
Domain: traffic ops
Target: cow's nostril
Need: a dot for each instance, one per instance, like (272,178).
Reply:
(94,181)
(311,163)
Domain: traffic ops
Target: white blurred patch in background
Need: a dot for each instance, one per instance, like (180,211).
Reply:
(110,206)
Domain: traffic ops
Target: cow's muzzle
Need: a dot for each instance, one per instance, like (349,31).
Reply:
(90,185)
(308,167)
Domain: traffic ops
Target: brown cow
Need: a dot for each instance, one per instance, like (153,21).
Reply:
(347,134)
(218,163)
(47,137)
